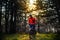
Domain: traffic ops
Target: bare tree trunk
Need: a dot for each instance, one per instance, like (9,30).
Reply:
(0,15)
(13,17)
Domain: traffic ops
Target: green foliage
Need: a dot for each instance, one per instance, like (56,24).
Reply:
(26,37)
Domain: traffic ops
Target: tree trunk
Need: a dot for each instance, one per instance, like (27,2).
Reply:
(0,15)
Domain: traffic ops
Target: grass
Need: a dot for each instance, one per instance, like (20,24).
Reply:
(26,37)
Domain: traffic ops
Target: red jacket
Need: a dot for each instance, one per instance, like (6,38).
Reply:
(32,20)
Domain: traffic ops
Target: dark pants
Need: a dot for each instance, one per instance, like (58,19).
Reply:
(32,31)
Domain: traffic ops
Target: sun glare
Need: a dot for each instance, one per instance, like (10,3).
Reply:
(31,5)
(31,2)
